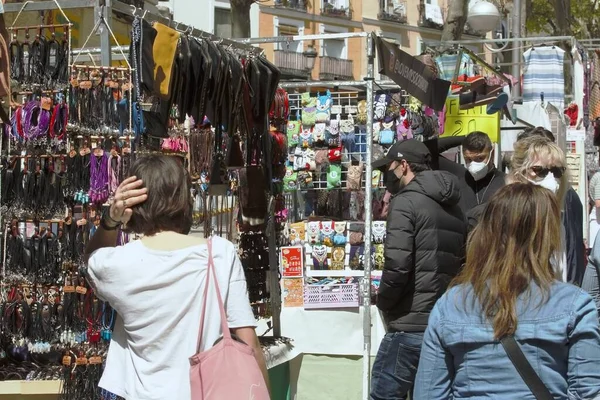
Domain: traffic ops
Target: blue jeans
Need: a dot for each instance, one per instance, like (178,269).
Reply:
(395,366)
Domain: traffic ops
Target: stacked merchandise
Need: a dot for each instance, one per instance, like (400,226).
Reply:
(322,261)
(214,103)
(63,158)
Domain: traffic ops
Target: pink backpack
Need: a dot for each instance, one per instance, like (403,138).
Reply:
(228,370)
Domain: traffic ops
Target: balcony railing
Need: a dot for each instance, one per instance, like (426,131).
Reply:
(291,63)
(428,21)
(298,5)
(335,68)
(392,10)
(331,11)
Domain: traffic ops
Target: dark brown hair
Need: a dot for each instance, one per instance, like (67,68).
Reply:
(510,248)
(169,204)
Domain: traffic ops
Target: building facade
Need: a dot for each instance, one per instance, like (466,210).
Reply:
(410,23)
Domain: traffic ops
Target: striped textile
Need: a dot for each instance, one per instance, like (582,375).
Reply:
(447,64)
(544,73)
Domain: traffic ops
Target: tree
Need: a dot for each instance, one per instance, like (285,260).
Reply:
(454,25)
(564,18)
(240,18)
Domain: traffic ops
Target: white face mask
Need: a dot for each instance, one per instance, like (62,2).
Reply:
(549,182)
(478,170)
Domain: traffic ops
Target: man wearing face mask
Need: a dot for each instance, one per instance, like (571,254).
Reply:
(424,250)
(483,177)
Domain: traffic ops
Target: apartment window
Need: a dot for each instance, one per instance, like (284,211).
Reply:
(334,48)
(223,22)
(289,30)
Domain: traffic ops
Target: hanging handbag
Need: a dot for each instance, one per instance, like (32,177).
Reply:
(524,368)
(229,369)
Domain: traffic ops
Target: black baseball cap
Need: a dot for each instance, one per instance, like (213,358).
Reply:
(411,150)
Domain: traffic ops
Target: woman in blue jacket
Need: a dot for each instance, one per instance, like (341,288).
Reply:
(509,287)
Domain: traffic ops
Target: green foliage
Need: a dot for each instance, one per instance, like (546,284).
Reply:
(583,21)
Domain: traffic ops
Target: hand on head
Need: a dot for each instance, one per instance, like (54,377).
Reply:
(129,193)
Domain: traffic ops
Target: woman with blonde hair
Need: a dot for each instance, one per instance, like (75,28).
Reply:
(509,290)
(540,161)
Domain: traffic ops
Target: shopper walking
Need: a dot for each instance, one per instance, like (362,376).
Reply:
(424,250)
(572,211)
(156,285)
(509,288)
(539,161)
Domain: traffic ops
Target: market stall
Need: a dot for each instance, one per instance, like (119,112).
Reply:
(73,133)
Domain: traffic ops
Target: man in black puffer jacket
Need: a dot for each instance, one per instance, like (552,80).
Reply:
(424,251)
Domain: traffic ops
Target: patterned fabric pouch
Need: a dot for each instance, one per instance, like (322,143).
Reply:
(307,100)
(347,134)
(321,157)
(305,180)
(335,155)
(376,131)
(340,233)
(306,137)
(313,232)
(308,156)
(298,160)
(354,176)
(380,106)
(386,136)
(334,176)
(403,129)
(379,256)
(379,231)
(356,257)
(327,233)
(319,133)
(332,133)
(361,117)
(324,107)
(297,233)
(309,116)
(289,180)
(319,256)
(338,258)
(293,132)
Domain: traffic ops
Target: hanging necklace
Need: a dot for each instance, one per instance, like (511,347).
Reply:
(485,191)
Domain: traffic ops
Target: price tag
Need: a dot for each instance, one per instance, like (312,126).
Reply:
(66,361)
(81,290)
(69,289)
(95,360)
(46,103)
(81,361)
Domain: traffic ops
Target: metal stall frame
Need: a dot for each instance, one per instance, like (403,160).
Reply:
(368,84)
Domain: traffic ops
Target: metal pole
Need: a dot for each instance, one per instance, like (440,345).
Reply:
(516,55)
(293,85)
(509,40)
(366,284)
(104,8)
(300,38)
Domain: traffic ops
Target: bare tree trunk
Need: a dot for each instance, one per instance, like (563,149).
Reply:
(240,18)
(455,23)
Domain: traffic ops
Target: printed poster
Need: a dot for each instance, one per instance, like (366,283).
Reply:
(291,261)
(293,292)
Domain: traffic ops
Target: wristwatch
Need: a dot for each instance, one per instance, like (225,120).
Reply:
(107,223)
